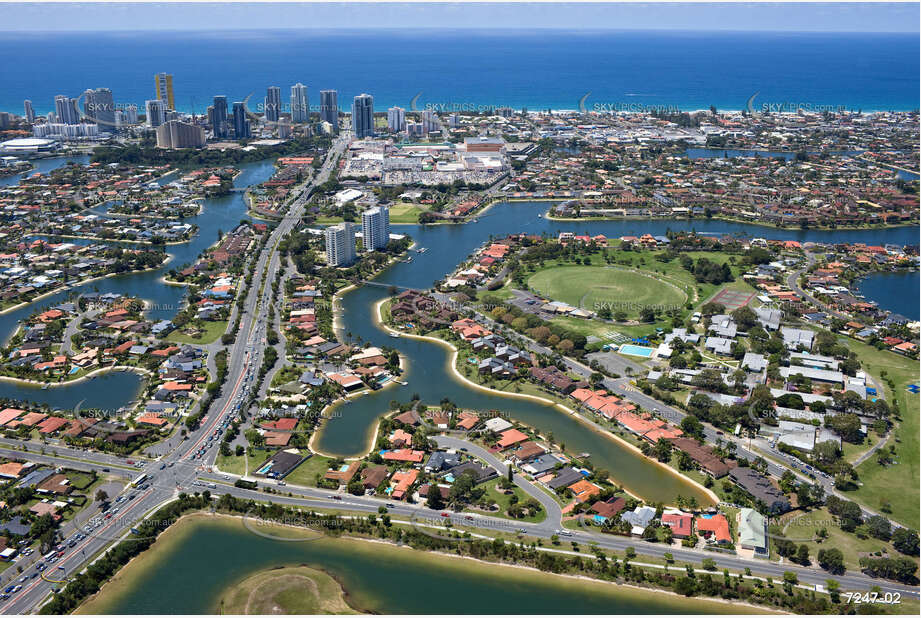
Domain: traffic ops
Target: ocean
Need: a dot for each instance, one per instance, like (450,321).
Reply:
(474,69)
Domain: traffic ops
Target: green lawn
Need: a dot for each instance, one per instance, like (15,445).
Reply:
(896,484)
(237,465)
(210,333)
(306,473)
(803,529)
(405,213)
(504,501)
(592,287)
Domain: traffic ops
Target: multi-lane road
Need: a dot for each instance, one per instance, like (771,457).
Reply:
(186,465)
(179,468)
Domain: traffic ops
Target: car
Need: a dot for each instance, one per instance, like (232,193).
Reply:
(391,505)
(17,589)
(446,514)
(162,466)
(468,517)
(464,449)
(23,579)
(8,590)
(337,497)
(4,596)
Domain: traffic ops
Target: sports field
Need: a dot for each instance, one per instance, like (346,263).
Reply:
(593,287)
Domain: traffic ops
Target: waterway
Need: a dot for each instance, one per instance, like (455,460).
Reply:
(43,166)
(428,371)
(896,291)
(731,153)
(113,390)
(349,433)
(377,578)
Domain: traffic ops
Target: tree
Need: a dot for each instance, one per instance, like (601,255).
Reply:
(663,450)
(905,541)
(802,555)
(693,427)
(745,318)
(102,496)
(879,527)
(433,498)
(832,560)
(685,586)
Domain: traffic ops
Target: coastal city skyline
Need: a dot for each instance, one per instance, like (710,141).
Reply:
(565,309)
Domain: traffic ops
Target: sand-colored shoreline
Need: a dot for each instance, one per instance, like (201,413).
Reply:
(83,378)
(122,580)
(378,318)
(71,286)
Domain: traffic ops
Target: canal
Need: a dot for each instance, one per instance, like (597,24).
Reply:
(428,371)
(349,432)
(113,390)
(377,578)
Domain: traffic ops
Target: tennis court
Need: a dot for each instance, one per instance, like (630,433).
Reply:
(732,299)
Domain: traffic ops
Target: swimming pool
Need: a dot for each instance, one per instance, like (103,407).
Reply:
(635,350)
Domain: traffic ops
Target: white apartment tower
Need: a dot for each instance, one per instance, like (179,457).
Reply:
(375,228)
(340,244)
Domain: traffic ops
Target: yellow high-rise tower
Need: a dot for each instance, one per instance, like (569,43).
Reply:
(164,86)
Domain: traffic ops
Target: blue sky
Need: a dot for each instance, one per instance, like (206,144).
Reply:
(814,17)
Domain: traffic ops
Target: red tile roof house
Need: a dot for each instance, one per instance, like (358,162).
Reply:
(404,455)
(510,437)
(282,424)
(715,528)
(51,425)
(680,523)
(9,414)
(403,481)
(33,418)
(468,329)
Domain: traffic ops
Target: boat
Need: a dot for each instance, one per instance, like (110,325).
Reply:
(586,454)
(422,249)
(408,260)
(395,335)
(45,387)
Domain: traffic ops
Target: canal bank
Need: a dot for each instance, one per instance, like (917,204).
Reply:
(591,425)
(221,550)
(114,390)
(430,371)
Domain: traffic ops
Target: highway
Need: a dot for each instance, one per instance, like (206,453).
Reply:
(186,466)
(179,468)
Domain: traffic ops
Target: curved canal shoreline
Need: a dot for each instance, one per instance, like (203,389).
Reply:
(81,283)
(119,588)
(452,363)
(83,378)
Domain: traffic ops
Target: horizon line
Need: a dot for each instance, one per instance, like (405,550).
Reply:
(506,29)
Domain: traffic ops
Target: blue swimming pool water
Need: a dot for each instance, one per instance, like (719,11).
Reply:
(635,350)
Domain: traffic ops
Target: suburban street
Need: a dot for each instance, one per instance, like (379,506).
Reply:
(186,465)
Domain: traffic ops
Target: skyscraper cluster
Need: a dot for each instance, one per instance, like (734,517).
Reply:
(340,239)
